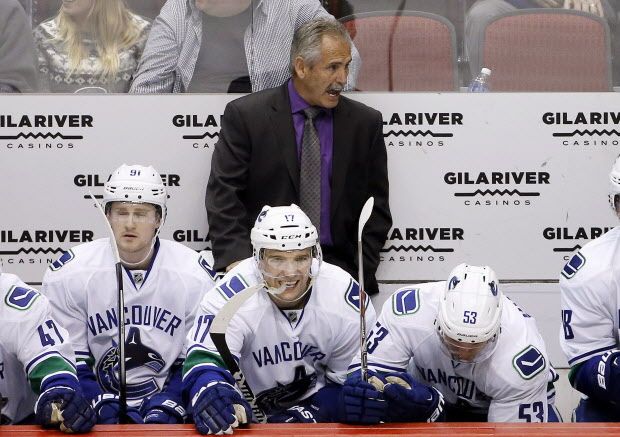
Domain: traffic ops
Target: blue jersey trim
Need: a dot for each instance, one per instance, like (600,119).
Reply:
(591,353)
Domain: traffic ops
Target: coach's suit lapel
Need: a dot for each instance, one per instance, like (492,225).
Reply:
(282,123)
(343,148)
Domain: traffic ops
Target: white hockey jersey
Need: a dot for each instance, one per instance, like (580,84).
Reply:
(286,355)
(160,305)
(590,289)
(511,385)
(33,345)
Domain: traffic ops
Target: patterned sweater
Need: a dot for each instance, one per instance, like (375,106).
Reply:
(56,75)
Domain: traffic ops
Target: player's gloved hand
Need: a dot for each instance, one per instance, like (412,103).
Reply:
(599,377)
(411,401)
(64,406)
(361,402)
(296,414)
(218,408)
(161,408)
(107,407)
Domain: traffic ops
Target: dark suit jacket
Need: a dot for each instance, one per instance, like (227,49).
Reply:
(255,164)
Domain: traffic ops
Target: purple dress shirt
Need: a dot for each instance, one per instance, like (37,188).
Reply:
(324,124)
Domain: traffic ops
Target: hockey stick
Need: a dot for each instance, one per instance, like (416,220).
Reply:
(122,376)
(364,216)
(218,335)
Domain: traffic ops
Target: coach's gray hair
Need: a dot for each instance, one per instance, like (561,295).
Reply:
(307,39)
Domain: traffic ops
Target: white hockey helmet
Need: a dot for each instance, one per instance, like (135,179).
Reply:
(614,184)
(284,228)
(470,311)
(136,184)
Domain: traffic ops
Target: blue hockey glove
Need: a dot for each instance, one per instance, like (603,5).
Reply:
(218,408)
(296,414)
(411,401)
(64,406)
(107,407)
(162,408)
(361,402)
(599,377)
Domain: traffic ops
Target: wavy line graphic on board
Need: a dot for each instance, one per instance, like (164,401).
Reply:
(497,193)
(415,249)
(202,137)
(425,133)
(41,135)
(587,132)
(31,250)
(567,249)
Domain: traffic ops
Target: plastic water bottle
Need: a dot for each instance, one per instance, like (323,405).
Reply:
(481,83)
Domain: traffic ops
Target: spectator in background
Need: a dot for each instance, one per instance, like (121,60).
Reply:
(223,45)
(90,44)
(483,11)
(17,58)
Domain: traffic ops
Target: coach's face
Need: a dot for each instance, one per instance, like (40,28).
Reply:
(321,82)
(134,226)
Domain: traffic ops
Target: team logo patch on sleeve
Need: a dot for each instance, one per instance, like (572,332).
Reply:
(572,267)
(352,296)
(406,301)
(529,362)
(207,267)
(65,258)
(21,298)
(235,285)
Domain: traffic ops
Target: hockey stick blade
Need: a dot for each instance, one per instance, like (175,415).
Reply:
(364,216)
(218,335)
(122,373)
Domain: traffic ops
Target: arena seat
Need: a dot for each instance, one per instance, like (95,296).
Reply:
(404,51)
(547,50)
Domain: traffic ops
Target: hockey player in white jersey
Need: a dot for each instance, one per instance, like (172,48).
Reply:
(590,302)
(293,339)
(467,340)
(163,283)
(35,349)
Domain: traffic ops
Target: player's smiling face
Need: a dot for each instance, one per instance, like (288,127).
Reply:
(134,226)
(289,271)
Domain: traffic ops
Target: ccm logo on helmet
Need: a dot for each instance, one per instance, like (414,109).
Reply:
(291,237)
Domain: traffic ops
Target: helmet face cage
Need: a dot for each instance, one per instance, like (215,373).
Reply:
(470,308)
(136,184)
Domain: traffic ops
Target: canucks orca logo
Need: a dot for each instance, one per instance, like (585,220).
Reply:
(136,355)
(284,395)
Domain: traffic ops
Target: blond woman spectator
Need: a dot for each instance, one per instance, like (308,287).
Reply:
(90,45)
